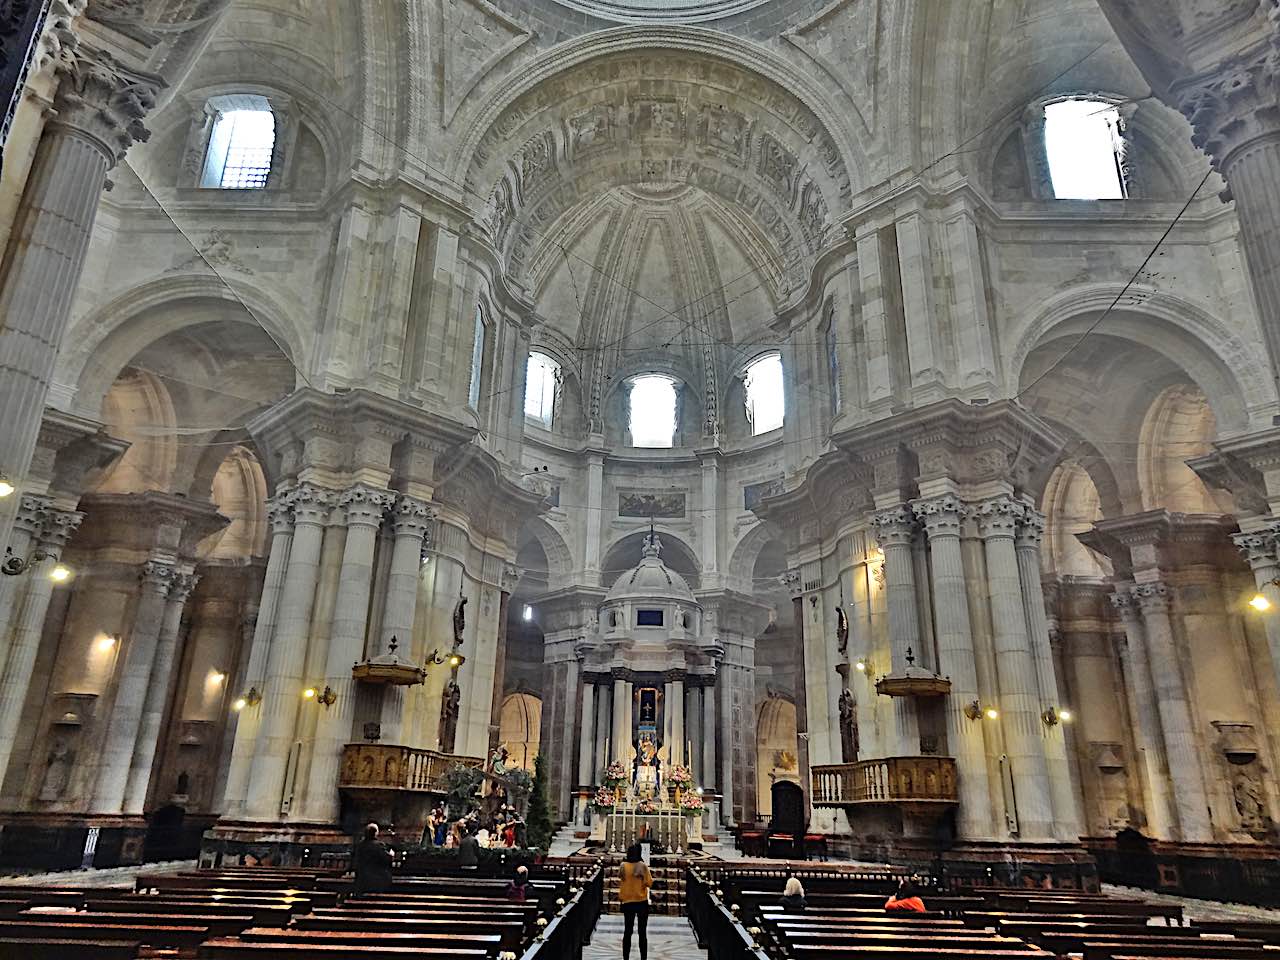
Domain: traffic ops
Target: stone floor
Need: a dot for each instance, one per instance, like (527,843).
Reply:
(670,938)
(1200,909)
(112,877)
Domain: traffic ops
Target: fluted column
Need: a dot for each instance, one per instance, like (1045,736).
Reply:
(411,519)
(677,721)
(1016,670)
(895,532)
(621,739)
(1189,794)
(942,518)
(26,530)
(1234,118)
(708,774)
(724,683)
(1260,550)
(1066,815)
(98,112)
(586,770)
(158,690)
(282,682)
(364,508)
(1153,766)
(249,719)
(131,689)
(56,529)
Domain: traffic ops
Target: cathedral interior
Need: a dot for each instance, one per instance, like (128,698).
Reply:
(867,408)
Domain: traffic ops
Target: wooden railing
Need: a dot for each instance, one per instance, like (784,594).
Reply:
(386,766)
(890,780)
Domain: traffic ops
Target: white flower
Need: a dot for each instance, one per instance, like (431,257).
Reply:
(542,921)
(735,908)
(560,902)
(507,955)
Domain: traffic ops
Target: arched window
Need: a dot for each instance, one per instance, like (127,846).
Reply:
(477,360)
(833,368)
(764,394)
(541,385)
(1084,143)
(241,143)
(652,411)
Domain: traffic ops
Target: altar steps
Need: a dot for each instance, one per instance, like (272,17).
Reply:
(666,898)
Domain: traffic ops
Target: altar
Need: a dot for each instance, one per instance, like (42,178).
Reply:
(666,828)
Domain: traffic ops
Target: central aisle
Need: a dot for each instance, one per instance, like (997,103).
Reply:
(670,938)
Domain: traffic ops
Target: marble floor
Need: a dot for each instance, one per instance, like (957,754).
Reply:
(670,938)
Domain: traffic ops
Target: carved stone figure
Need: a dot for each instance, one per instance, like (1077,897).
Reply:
(848,727)
(57,772)
(459,620)
(450,706)
(1247,792)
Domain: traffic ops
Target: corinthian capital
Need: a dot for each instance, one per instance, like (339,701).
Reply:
(999,517)
(32,511)
(1152,597)
(182,586)
(941,516)
(1258,548)
(1235,106)
(311,504)
(105,101)
(1030,528)
(366,505)
(58,528)
(412,517)
(895,527)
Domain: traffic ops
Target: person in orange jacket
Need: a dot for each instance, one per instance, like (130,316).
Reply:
(906,900)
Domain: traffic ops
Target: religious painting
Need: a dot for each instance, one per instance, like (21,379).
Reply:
(754,493)
(662,505)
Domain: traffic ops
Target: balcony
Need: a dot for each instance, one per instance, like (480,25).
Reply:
(385,766)
(918,782)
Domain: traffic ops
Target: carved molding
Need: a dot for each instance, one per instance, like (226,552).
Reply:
(101,99)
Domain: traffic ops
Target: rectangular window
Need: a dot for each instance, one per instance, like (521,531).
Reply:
(649,618)
(477,361)
(542,380)
(833,366)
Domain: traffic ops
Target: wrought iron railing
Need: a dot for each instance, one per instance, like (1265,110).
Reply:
(386,766)
(889,780)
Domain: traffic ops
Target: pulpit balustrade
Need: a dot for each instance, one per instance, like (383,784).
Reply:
(888,780)
(372,766)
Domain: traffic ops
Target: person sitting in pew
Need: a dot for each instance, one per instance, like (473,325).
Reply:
(518,889)
(793,896)
(907,898)
(372,863)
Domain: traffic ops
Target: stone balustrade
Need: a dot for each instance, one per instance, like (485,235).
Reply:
(890,780)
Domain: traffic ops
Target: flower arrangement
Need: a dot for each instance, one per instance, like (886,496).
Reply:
(603,800)
(691,804)
(679,777)
(646,806)
(615,774)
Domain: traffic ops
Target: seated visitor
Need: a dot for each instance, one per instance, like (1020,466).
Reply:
(372,863)
(633,893)
(793,896)
(518,889)
(468,850)
(907,898)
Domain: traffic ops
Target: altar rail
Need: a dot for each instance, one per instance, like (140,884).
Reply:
(387,766)
(889,780)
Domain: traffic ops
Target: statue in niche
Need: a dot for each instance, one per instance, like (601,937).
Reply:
(848,727)
(646,774)
(1248,797)
(183,787)
(450,707)
(681,619)
(57,774)
(459,621)
(842,630)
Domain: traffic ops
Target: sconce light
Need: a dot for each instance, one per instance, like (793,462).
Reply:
(106,642)
(453,659)
(327,697)
(250,699)
(974,709)
(217,676)
(1065,715)
(1260,602)
(309,693)
(863,666)
(16,566)
(239,704)
(6,487)
(1050,717)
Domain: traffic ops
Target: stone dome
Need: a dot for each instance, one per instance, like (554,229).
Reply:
(651,579)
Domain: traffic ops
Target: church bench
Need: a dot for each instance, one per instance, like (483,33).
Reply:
(164,884)
(526,920)
(234,949)
(771,913)
(219,926)
(1206,950)
(1025,928)
(936,904)
(835,937)
(1063,943)
(56,948)
(510,933)
(832,951)
(991,918)
(67,927)
(440,939)
(259,915)
(1268,931)
(1130,908)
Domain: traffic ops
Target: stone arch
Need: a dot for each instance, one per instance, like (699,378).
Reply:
(1071,504)
(623,553)
(100,344)
(742,562)
(239,490)
(138,408)
(1219,362)
(559,558)
(1178,426)
(777,748)
(520,727)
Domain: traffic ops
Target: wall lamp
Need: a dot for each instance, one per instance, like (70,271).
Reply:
(454,659)
(974,710)
(1260,601)
(1052,716)
(16,566)
(862,665)
(325,696)
(6,487)
(250,699)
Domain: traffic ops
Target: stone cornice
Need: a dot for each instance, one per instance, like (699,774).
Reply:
(150,522)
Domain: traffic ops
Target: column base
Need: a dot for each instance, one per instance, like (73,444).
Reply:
(54,841)
(1234,872)
(283,844)
(1063,866)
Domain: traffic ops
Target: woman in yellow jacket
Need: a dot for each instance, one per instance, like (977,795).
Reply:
(633,894)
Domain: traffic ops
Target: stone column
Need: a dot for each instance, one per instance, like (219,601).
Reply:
(28,626)
(1259,549)
(621,704)
(708,774)
(1153,766)
(723,687)
(595,510)
(248,719)
(677,721)
(895,532)
(32,512)
(411,520)
(1066,814)
(1234,118)
(1016,669)
(510,576)
(131,690)
(282,681)
(364,507)
(586,741)
(942,518)
(1181,747)
(98,112)
(668,718)
(159,688)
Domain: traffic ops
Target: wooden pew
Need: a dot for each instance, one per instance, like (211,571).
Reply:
(218,926)
(819,951)
(53,926)
(439,939)
(1268,931)
(259,915)
(1207,949)
(54,948)
(852,939)
(509,933)
(235,949)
